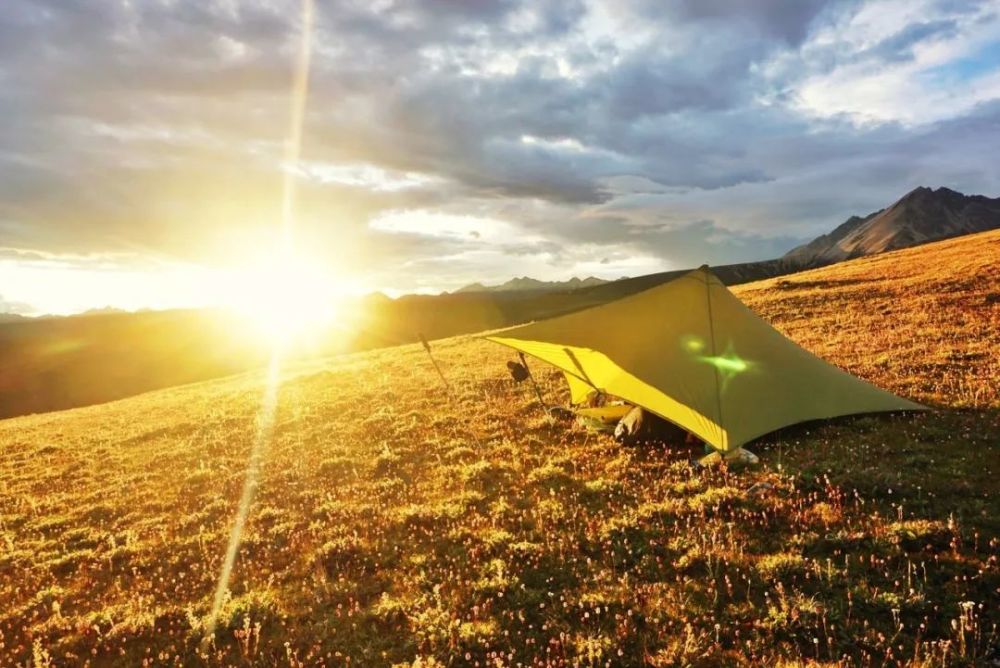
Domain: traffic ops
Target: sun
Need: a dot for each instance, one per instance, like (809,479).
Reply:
(284,297)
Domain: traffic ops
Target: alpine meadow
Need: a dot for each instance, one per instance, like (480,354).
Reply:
(500,333)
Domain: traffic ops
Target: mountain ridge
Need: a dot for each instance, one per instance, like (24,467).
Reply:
(526,283)
(920,216)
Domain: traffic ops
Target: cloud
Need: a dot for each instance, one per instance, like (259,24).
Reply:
(899,47)
(912,62)
(620,135)
(775,19)
(15,307)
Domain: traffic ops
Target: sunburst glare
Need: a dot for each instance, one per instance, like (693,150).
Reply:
(286,298)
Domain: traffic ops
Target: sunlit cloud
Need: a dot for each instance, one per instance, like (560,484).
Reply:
(366,176)
(61,285)
(42,283)
(560,144)
(450,226)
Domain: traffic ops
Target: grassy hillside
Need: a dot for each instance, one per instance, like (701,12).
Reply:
(393,524)
(56,363)
(64,362)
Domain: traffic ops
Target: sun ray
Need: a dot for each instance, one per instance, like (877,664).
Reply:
(268,409)
(264,429)
(293,147)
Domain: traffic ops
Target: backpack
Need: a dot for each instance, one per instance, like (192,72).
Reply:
(639,426)
(518,372)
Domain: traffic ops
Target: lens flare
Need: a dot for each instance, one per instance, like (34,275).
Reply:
(293,147)
(728,366)
(269,404)
(264,429)
(692,343)
(284,298)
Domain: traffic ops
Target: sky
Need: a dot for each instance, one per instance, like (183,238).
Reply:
(142,147)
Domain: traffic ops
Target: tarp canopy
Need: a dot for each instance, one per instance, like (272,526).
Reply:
(691,352)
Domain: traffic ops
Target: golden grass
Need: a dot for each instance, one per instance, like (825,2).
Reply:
(393,525)
(923,322)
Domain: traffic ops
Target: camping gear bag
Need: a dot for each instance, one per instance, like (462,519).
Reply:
(640,426)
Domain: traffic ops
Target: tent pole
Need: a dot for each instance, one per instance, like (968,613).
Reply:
(427,347)
(447,387)
(711,328)
(538,392)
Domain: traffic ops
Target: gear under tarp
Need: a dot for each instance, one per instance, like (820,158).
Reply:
(691,352)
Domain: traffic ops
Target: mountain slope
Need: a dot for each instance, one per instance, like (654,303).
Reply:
(920,216)
(392,521)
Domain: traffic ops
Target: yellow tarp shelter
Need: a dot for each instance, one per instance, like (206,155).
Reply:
(691,352)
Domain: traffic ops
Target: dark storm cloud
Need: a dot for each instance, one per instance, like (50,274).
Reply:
(157,128)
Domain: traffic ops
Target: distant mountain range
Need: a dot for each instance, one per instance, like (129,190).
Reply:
(104,310)
(922,215)
(526,283)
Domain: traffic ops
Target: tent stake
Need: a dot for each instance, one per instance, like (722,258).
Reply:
(427,347)
(538,392)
